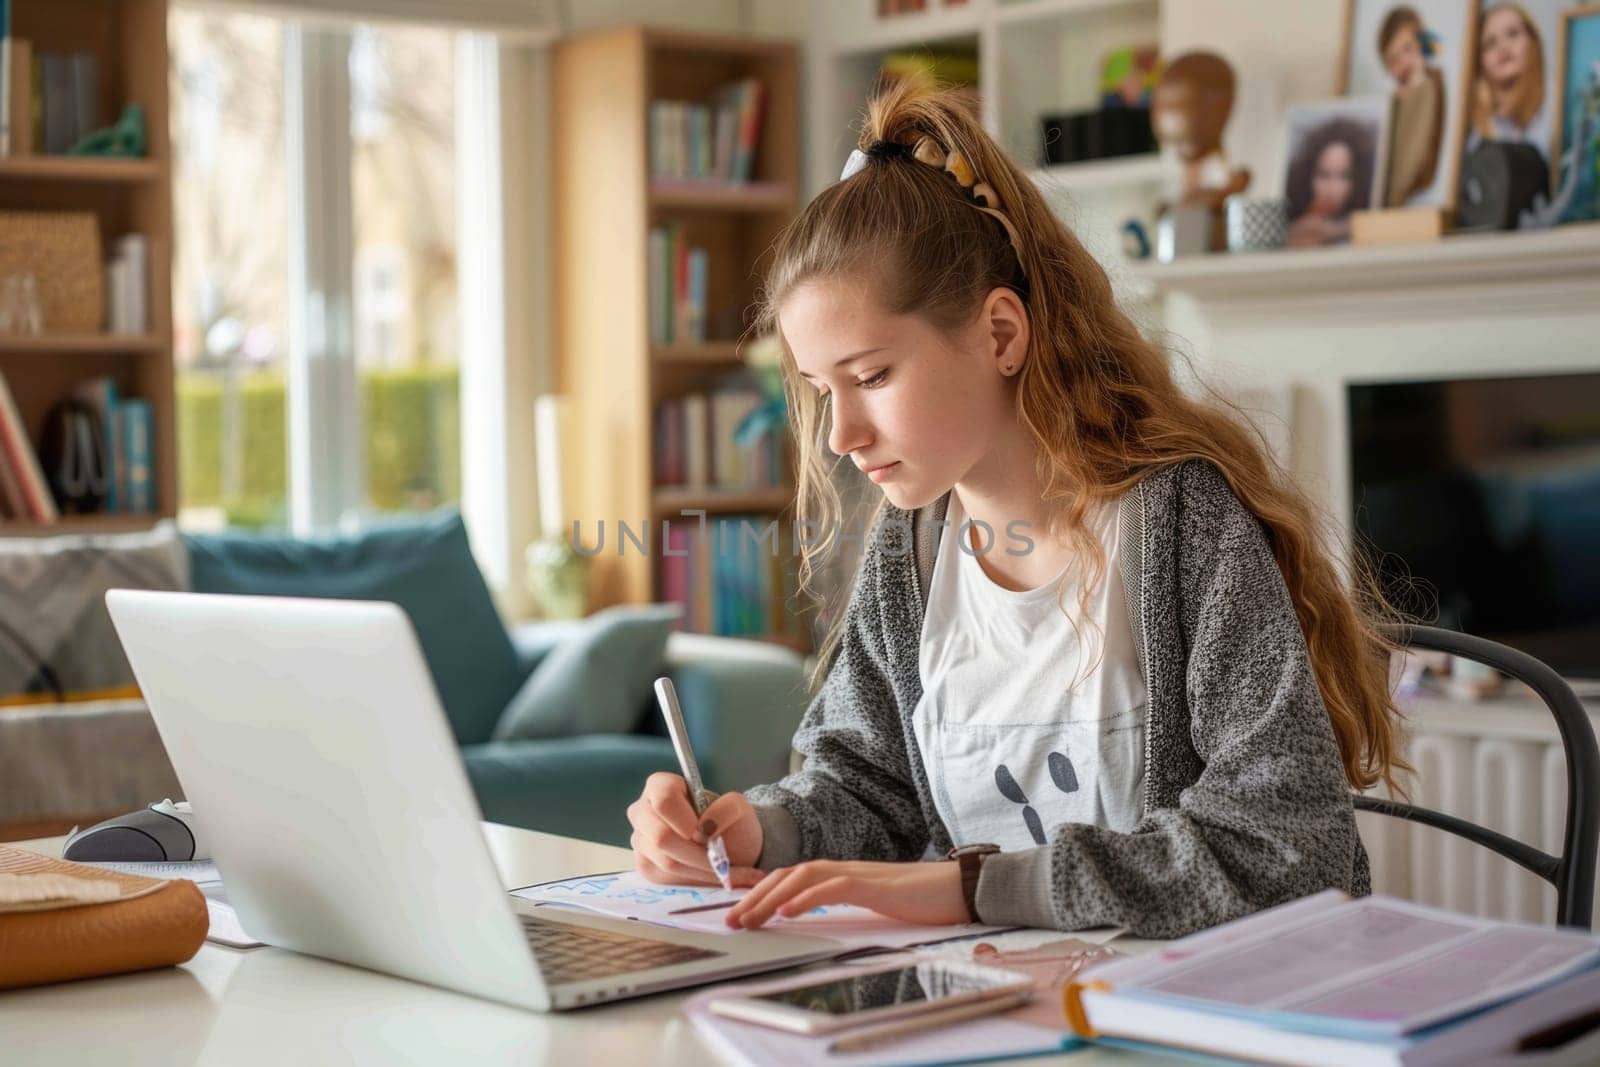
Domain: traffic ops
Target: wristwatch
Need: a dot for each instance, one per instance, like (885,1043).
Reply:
(971,858)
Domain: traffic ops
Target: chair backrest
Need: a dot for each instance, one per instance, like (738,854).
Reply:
(1573,872)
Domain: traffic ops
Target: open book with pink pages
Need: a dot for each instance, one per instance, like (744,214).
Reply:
(1332,980)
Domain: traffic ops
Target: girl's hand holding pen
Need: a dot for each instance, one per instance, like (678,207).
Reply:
(669,842)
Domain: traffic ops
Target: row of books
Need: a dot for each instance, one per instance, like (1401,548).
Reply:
(677,287)
(50,101)
(734,576)
(106,468)
(713,141)
(697,442)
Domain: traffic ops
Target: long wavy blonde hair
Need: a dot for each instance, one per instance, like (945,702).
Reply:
(1097,397)
(1523,102)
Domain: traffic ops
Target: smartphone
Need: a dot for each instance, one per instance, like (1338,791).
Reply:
(869,996)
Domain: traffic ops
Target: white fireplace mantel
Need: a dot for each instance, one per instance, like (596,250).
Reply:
(1285,333)
(1554,271)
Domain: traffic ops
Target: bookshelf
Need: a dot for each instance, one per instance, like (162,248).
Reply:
(615,371)
(128,40)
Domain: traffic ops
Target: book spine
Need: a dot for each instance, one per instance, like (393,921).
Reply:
(657,139)
(8,58)
(56,102)
(707,142)
(137,444)
(701,572)
(695,450)
(680,290)
(697,295)
(692,120)
(727,127)
(679,140)
(101,395)
(749,131)
(24,461)
(668,259)
(655,253)
(675,574)
(675,442)
(84,71)
(13,503)
(21,103)
(133,249)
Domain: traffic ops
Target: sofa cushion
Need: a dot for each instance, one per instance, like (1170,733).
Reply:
(57,643)
(577,786)
(596,680)
(425,566)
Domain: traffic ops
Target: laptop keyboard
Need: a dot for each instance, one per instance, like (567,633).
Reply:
(568,953)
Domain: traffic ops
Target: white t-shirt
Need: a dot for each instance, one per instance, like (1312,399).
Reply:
(1018,735)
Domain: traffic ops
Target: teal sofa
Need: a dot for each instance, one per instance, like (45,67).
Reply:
(741,699)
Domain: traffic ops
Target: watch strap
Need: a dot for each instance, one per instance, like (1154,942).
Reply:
(970,858)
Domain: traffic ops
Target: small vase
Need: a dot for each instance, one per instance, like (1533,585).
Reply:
(558,579)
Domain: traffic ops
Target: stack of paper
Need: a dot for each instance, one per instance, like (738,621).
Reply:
(1330,980)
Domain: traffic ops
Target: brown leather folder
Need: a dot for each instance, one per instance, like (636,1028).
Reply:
(147,923)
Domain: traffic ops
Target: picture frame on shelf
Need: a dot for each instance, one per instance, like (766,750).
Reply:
(1512,105)
(1577,126)
(1333,165)
(1419,55)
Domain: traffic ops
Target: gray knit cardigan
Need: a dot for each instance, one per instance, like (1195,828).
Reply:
(1245,800)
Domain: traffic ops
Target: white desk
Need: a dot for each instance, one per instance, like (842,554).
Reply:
(267,1006)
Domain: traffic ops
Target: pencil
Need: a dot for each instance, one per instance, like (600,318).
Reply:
(933,1020)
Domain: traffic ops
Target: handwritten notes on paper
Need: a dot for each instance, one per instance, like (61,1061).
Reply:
(628,895)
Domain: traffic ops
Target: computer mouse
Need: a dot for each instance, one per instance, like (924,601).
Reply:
(160,833)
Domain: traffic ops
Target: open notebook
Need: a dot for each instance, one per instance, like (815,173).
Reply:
(627,895)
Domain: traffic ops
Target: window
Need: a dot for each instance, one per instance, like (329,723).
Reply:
(315,269)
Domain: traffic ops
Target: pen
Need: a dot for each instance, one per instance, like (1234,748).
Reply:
(933,1020)
(716,851)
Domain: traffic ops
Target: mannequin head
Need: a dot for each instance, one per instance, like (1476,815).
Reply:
(1191,104)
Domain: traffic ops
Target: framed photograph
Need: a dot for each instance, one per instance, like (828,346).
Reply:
(1334,163)
(1577,153)
(1511,107)
(1419,55)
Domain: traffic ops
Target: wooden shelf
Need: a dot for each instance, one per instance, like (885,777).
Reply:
(710,353)
(670,500)
(702,195)
(80,524)
(80,169)
(1095,174)
(915,29)
(71,343)
(1023,11)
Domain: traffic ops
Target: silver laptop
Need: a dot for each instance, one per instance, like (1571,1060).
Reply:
(312,743)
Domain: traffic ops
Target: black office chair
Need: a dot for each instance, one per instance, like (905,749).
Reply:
(1573,872)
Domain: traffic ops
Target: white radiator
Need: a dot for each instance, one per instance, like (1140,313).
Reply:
(1497,763)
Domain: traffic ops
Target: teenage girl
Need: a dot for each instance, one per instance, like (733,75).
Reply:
(1096,648)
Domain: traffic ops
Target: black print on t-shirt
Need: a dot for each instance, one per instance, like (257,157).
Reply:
(1061,773)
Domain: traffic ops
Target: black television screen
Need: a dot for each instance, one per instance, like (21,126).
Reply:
(1479,500)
